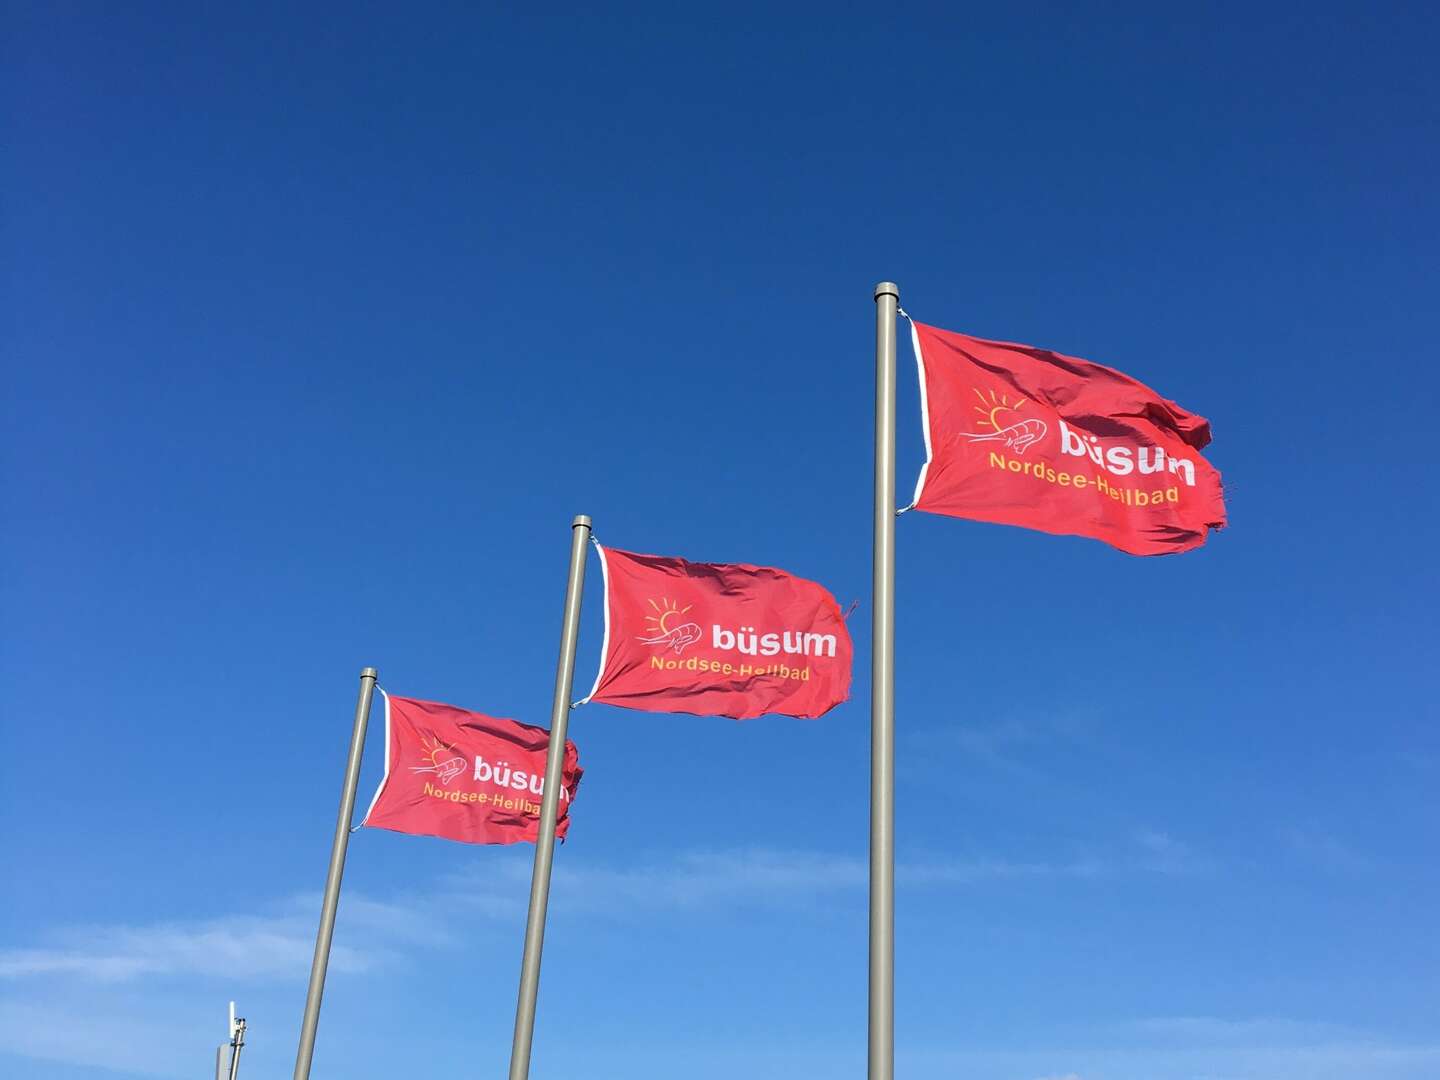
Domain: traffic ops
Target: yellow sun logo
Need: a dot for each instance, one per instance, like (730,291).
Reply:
(992,409)
(667,614)
(668,628)
(435,750)
(444,761)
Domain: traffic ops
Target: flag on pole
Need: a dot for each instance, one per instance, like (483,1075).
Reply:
(1024,436)
(465,776)
(718,639)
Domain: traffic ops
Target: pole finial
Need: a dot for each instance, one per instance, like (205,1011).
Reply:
(887,288)
(581,519)
(369,673)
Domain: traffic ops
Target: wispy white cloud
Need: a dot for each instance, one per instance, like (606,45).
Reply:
(758,876)
(715,877)
(244,946)
(974,871)
(1198,1048)
(375,932)
(235,946)
(109,1036)
(685,880)
(1004,744)
(1216,1030)
(1325,850)
(1164,854)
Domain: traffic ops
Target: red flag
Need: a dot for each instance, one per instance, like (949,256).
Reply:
(718,639)
(1028,437)
(465,776)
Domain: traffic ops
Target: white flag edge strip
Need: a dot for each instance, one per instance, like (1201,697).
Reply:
(924,412)
(385,776)
(604,641)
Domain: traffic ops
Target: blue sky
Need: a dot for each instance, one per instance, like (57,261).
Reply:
(320,325)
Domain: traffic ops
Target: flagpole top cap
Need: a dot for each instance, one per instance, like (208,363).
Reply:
(887,288)
(369,673)
(581,519)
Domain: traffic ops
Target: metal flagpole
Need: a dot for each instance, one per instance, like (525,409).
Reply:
(882,699)
(332,878)
(549,806)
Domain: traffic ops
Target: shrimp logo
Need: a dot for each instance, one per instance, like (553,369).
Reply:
(999,415)
(444,762)
(667,627)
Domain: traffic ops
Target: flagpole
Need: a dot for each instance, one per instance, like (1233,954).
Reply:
(549,806)
(331,901)
(882,699)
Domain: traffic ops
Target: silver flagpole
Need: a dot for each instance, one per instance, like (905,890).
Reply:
(549,806)
(882,699)
(321,961)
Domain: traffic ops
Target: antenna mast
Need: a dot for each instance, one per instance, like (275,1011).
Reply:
(235,1045)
